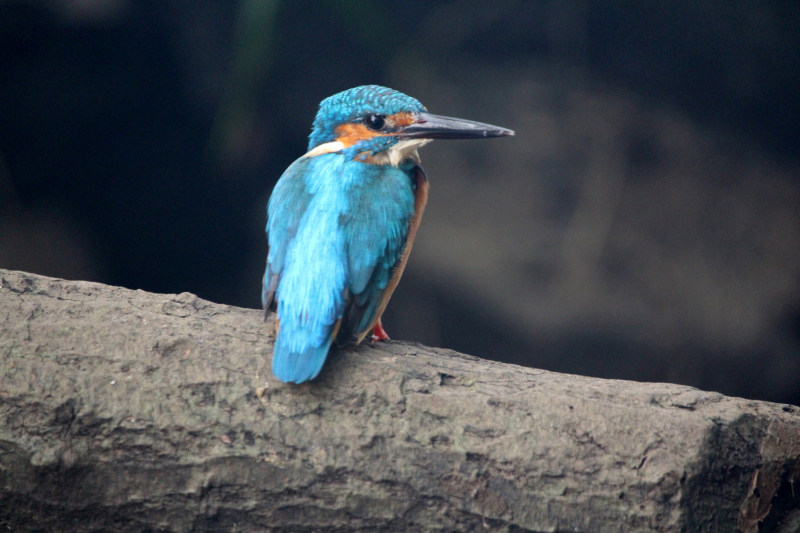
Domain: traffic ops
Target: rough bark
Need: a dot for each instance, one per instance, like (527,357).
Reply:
(122,410)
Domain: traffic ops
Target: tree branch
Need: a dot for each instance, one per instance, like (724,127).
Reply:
(125,411)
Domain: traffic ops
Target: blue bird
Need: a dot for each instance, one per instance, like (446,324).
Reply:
(341,221)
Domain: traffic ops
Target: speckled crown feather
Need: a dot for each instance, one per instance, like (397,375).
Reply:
(351,104)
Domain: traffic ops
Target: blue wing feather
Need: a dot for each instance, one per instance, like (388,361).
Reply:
(377,238)
(288,203)
(336,228)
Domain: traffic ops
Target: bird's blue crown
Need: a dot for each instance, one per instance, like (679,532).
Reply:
(354,104)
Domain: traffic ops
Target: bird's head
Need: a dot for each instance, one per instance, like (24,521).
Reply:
(378,125)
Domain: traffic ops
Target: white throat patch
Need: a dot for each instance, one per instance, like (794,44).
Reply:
(405,149)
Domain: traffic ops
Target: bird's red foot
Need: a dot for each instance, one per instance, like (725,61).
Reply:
(378,333)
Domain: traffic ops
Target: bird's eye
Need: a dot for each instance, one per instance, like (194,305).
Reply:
(375,122)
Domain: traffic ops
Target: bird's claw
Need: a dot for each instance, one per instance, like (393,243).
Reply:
(378,333)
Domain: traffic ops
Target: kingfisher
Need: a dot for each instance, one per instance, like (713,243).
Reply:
(342,219)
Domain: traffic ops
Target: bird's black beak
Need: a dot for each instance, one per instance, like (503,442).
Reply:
(435,127)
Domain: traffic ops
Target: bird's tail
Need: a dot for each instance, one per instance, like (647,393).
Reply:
(296,362)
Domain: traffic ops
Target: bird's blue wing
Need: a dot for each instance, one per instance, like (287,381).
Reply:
(308,254)
(288,203)
(377,238)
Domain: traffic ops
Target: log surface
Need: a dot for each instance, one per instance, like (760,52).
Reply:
(123,410)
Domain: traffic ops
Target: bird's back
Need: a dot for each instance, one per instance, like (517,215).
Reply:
(332,254)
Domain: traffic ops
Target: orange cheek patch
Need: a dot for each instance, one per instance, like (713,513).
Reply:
(350,134)
(401,119)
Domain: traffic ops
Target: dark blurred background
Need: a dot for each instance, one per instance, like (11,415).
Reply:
(643,224)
